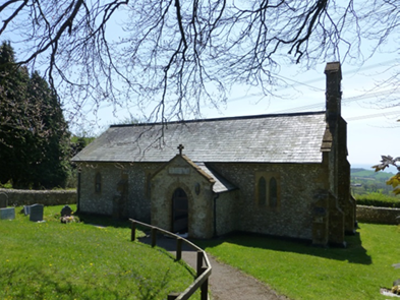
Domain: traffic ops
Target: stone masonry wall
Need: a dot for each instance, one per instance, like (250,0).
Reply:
(297,184)
(225,210)
(102,202)
(379,215)
(46,197)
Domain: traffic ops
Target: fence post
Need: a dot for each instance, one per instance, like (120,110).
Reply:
(153,237)
(204,286)
(173,296)
(179,245)
(133,233)
(178,249)
(199,265)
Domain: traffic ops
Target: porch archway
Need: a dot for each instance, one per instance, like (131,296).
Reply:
(180,211)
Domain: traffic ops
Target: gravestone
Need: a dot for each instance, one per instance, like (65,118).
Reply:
(27,210)
(3,200)
(7,213)
(36,213)
(66,211)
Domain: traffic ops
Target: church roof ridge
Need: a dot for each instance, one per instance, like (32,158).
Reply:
(246,117)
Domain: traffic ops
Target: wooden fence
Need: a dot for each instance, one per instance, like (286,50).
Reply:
(203,265)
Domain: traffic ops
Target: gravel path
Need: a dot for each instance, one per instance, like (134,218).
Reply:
(226,282)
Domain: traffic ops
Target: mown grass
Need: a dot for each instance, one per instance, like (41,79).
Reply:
(378,199)
(301,271)
(51,260)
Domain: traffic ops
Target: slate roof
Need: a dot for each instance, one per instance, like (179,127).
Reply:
(221,184)
(283,138)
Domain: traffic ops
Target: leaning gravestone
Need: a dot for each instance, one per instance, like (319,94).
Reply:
(3,200)
(27,210)
(7,213)
(36,213)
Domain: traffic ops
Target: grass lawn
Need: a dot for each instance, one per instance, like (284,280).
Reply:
(301,271)
(51,260)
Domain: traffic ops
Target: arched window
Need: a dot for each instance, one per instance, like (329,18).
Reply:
(273,192)
(262,191)
(267,190)
(97,183)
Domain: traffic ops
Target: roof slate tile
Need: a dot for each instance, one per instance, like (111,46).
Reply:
(288,138)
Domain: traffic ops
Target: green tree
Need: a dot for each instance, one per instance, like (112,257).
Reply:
(78,143)
(17,117)
(386,162)
(33,133)
(52,167)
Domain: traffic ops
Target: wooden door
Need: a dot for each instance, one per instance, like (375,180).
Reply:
(180,217)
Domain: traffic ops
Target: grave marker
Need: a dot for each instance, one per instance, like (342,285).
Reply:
(27,210)
(36,213)
(7,213)
(66,211)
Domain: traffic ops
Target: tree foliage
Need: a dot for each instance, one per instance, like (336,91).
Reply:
(33,133)
(78,143)
(386,162)
(177,56)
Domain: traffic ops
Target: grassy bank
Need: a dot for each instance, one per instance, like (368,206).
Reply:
(51,260)
(301,271)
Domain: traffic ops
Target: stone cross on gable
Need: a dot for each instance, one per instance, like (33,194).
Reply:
(180,148)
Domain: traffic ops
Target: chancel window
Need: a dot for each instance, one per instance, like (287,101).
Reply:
(267,189)
(273,193)
(262,191)
(97,183)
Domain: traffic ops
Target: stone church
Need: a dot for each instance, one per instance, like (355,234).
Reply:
(279,174)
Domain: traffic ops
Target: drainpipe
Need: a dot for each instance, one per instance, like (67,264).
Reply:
(215,214)
(78,192)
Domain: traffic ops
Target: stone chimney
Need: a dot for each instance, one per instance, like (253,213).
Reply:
(333,74)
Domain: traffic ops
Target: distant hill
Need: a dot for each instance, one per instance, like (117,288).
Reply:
(368,181)
(362,173)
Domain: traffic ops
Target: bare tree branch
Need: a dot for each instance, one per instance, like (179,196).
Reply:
(176,56)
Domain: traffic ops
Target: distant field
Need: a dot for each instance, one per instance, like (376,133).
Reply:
(372,175)
(365,182)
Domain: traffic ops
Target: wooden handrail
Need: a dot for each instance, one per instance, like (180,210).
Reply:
(203,272)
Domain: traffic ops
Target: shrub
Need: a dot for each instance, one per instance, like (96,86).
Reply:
(377,199)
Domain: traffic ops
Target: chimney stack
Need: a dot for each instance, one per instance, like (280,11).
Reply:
(333,74)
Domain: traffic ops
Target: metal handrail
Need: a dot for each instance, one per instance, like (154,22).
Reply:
(203,273)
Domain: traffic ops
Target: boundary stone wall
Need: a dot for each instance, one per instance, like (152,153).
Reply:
(368,214)
(379,215)
(46,197)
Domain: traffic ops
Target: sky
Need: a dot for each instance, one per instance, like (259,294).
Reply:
(372,129)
